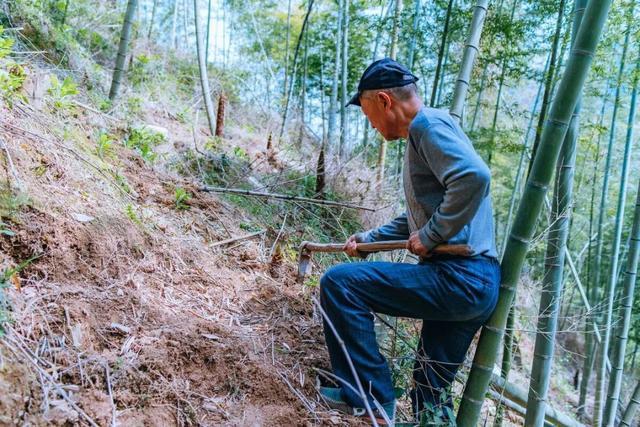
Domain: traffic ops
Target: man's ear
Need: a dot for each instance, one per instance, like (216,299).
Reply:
(384,99)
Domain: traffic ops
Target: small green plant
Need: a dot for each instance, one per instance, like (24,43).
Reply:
(12,75)
(213,143)
(130,212)
(181,197)
(61,93)
(240,153)
(134,105)
(144,140)
(122,182)
(104,147)
(140,71)
(439,415)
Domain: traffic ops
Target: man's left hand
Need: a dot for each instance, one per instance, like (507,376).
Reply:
(415,246)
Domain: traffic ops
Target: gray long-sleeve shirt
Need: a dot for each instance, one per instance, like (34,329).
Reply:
(446,186)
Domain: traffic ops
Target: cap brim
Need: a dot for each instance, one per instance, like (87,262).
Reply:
(355,100)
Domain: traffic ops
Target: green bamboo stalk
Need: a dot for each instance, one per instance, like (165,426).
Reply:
(548,89)
(393,53)
(208,36)
(626,303)
(343,85)
(125,38)
(153,17)
(632,407)
(296,52)
(443,43)
(553,283)
(523,155)
(202,66)
(529,209)
(414,32)
(286,52)
(503,73)
(468,58)
(610,290)
(590,344)
(333,97)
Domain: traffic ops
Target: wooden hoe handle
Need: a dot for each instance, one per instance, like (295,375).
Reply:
(461,250)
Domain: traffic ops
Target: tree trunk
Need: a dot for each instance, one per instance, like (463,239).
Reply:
(344,66)
(611,285)
(286,50)
(626,302)
(553,281)
(295,61)
(468,58)
(414,32)
(303,95)
(174,24)
(548,89)
(208,39)
(443,42)
(592,285)
(529,209)
(125,37)
(333,100)
(202,65)
(503,74)
(523,155)
(153,17)
(395,30)
(632,407)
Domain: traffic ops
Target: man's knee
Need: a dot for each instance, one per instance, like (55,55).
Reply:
(336,279)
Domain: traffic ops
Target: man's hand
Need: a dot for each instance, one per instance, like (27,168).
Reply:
(415,246)
(350,247)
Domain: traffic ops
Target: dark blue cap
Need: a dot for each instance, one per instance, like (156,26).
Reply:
(383,74)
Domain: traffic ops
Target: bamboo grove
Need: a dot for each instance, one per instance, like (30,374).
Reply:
(547,91)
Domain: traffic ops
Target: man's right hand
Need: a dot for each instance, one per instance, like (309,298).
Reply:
(350,247)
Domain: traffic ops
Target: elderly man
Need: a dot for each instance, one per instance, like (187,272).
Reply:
(446,186)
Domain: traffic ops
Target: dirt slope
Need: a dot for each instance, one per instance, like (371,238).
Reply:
(128,312)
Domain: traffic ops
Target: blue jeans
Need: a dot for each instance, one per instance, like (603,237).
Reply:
(453,296)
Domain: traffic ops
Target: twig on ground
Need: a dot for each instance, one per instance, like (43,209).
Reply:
(240,191)
(15,347)
(109,389)
(236,239)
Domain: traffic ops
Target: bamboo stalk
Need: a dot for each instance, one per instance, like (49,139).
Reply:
(553,280)
(471,50)
(626,303)
(529,209)
(125,38)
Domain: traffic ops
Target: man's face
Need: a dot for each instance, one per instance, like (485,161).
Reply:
(378,107)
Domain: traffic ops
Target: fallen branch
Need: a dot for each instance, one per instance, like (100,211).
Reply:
(209,189)
(236,239)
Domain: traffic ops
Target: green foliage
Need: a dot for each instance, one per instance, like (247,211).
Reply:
(144,140)
(181,197)
(241,153)
(12,75)
(438,415)
(130,212)
(61,93)
(143,69)
(104,145)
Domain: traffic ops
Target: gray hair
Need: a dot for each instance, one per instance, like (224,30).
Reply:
(400,93)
